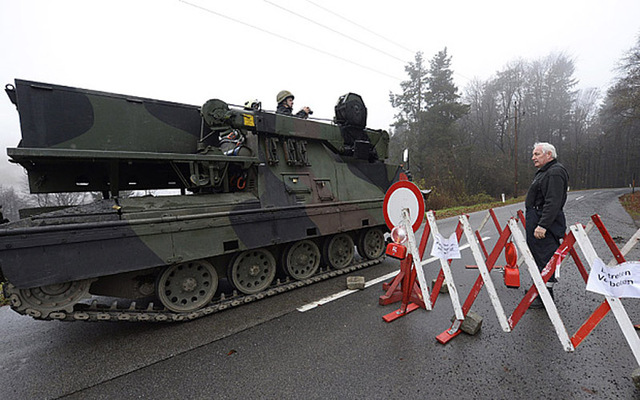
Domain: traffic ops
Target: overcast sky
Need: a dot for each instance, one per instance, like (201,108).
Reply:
(193,50)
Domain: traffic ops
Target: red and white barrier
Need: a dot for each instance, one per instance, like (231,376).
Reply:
(416,295)
(404,199)
(485,262)
(610,303)
(404,287)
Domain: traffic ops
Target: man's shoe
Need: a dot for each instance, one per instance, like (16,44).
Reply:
(537,303)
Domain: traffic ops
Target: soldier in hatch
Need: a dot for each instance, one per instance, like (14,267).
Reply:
(285,105)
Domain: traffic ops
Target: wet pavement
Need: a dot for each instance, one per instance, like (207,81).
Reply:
(342,349)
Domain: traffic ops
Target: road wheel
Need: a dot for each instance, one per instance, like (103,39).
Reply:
(371,243)
(301,259)
(338,251)
(252,271)
(187,287)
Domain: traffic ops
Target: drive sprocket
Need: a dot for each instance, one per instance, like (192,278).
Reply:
(41,301)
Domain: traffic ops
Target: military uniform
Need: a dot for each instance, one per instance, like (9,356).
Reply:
(545,200)
(283,109)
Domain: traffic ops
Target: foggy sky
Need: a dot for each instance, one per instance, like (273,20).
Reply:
(176,50)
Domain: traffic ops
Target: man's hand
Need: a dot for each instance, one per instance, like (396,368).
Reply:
(539,232)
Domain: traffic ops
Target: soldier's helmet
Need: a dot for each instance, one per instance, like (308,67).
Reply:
(253,105)
(283,94)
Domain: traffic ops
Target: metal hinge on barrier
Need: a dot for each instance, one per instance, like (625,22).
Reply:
(455,327)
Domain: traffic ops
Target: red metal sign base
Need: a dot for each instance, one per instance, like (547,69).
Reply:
(392,316)
(450,333)
(403,288)
(398,288)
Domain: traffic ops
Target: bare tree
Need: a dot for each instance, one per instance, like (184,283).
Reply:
(620,121)
(584,131)
(11,202)
(60,199)
(599,144)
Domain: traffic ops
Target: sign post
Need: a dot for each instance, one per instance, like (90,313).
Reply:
(404,207)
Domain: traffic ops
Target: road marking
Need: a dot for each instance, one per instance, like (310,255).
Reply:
(336,296)
(578,198)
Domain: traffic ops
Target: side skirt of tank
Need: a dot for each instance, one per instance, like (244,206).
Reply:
(127,311)
(39,257)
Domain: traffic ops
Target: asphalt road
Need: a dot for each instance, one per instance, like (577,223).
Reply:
(342,349)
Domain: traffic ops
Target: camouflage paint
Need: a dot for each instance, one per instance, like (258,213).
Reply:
(301,183)
(54,116)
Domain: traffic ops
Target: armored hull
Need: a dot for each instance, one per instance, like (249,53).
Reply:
(267,203)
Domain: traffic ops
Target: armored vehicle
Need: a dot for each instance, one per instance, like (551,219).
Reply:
(261,203)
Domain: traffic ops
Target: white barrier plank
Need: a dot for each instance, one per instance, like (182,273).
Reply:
(484,272)
(484,222)
(588,229)
(634,240)
(417,262)
(619,312)
(448,277)
(549,305)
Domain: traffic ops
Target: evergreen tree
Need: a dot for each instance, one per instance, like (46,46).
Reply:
(440,140)
(412,99)
(429,108)
(410,103)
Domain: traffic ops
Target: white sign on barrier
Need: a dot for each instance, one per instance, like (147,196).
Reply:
(445,248)
(622,280)
(616,305)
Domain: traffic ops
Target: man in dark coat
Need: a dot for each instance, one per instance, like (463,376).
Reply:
(546,197)
(285,105)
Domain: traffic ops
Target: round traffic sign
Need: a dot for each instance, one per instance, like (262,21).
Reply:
(401,195)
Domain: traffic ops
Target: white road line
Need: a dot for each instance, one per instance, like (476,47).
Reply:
(578,198)
(335,296)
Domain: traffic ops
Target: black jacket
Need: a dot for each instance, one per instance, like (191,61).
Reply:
(548,193)
(282,109)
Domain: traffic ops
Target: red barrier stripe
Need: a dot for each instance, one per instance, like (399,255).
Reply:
(590,324)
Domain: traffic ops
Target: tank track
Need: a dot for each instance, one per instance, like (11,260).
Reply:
(96,311)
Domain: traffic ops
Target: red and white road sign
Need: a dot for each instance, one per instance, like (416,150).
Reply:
(403,195)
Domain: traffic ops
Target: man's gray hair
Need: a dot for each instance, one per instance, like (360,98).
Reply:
(547,147)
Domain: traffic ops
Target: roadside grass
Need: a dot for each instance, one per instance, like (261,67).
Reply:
(455,211)
(631,203)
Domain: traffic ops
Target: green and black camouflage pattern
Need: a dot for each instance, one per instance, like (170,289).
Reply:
(291,179)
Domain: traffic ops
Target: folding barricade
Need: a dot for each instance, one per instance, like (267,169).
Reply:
(416,294)
(403,286)
(577,235)
(491,214)
(610,303)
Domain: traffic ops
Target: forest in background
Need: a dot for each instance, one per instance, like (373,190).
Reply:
(476,145)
